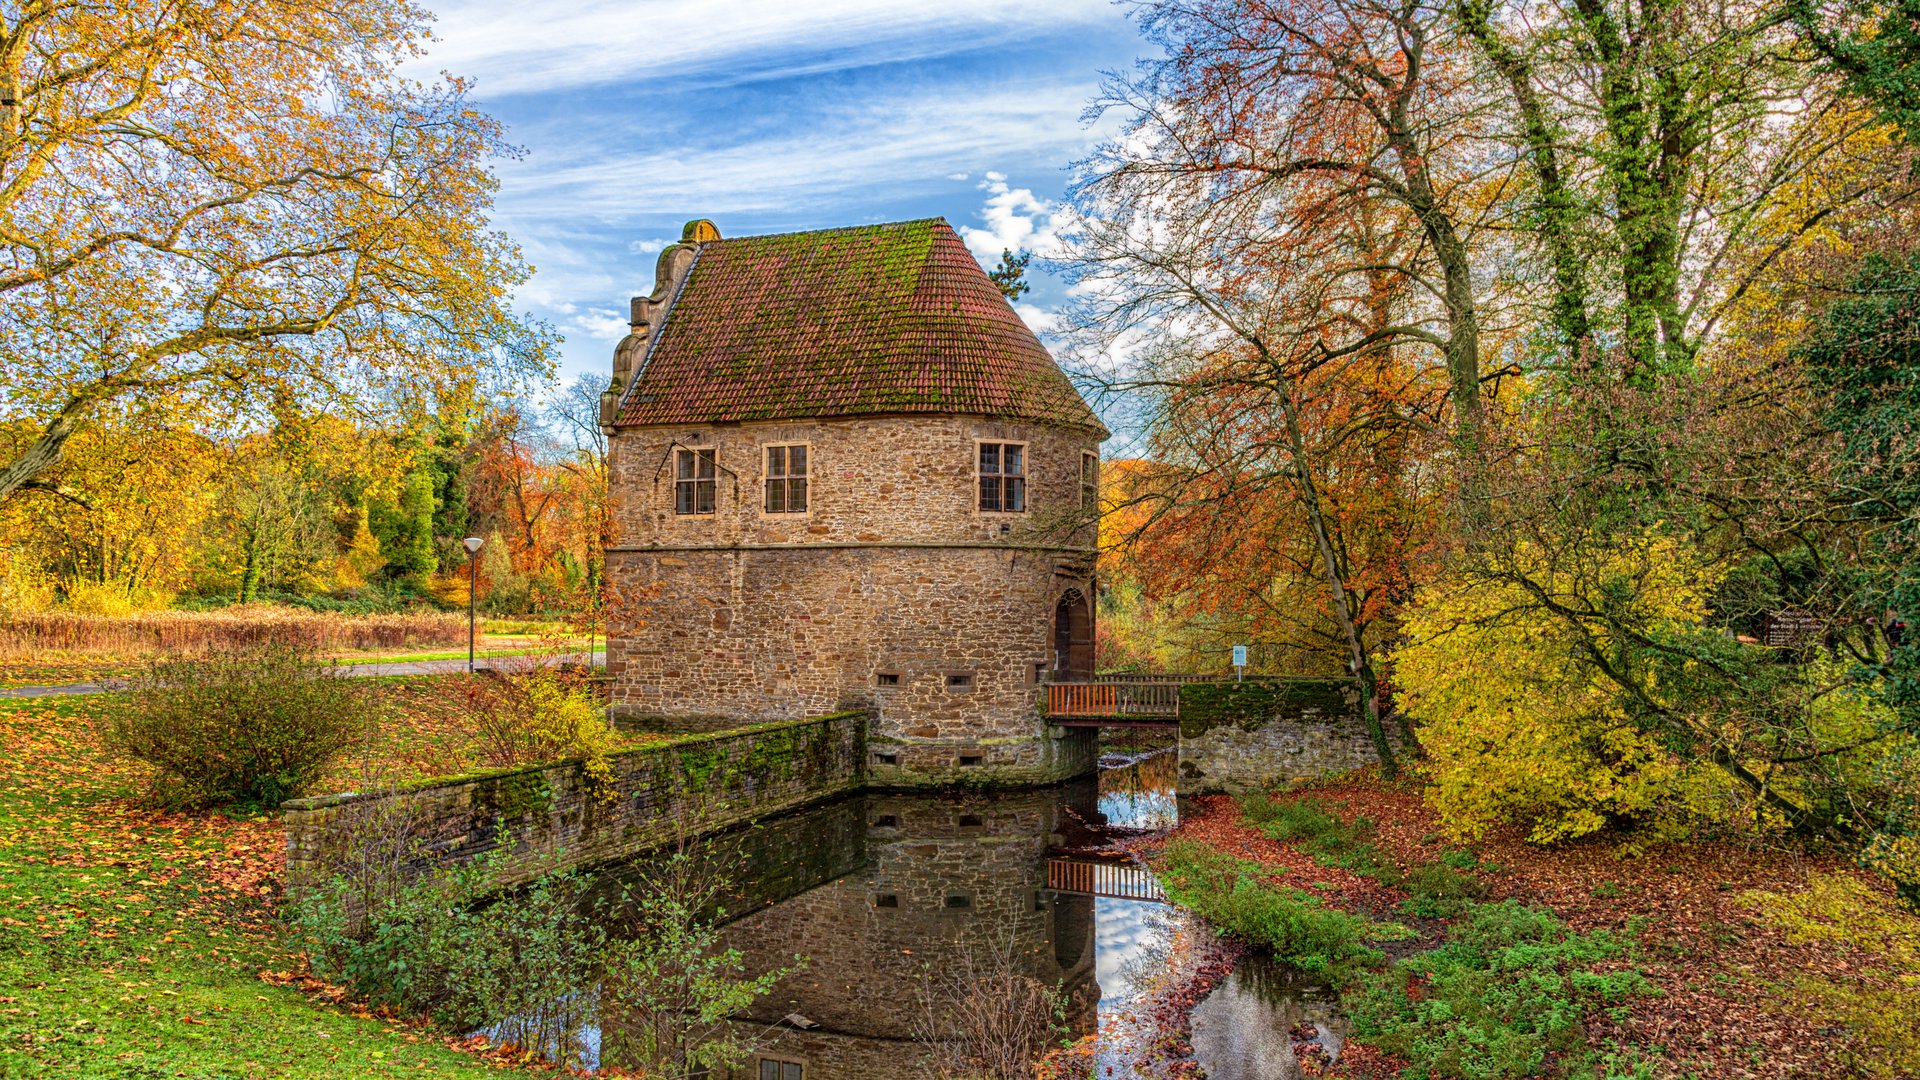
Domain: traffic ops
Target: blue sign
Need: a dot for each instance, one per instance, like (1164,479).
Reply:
(1239,656)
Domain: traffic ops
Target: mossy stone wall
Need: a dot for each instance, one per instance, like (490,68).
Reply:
(1263,733)
(553,816)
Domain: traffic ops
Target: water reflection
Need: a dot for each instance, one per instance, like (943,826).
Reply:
(898,899)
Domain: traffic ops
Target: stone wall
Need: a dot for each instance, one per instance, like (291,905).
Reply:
(1266,733)
(877,479)
(553,816)
(892,593)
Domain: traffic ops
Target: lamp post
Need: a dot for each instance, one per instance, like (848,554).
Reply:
(473,580)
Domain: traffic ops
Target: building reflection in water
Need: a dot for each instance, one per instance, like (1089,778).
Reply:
(888,897)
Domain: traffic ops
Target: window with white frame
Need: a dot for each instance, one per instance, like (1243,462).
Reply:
(786,480)
(693,482)
(1003,477)
(773,1069)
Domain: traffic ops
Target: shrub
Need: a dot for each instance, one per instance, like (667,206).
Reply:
(671,987)
(1510,985)
(541,714)
(539,965)
(254,725)
(433,946)
(1517,725)
(1234,895)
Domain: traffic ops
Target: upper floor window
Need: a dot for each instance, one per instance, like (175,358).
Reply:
(1089,481)
(1003,477)
(786,480)
(773,1069)
(693,482)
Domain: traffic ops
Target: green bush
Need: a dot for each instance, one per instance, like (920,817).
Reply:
(1233,895)
(433,946)
(257,724)
(1511,985)
(538,965)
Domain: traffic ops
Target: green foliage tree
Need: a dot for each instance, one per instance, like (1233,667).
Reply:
(1010,277)
(405,529)
(1875,45)
(1866,355)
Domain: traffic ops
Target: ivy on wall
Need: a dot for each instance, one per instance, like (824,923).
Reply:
(1253,704)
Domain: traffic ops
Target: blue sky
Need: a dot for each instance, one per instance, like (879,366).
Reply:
(769,117)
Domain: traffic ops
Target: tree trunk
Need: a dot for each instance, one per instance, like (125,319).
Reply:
(44,452)
(1357,660)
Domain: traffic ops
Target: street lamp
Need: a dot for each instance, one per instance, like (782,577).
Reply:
(473,580)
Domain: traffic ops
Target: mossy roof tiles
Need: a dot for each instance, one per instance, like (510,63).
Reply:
(894,318)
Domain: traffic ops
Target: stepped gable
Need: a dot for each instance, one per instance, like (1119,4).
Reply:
(873,319)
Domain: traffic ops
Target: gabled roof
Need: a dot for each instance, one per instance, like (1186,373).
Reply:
(895,318)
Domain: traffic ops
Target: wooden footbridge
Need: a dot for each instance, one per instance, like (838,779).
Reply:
(1120,700)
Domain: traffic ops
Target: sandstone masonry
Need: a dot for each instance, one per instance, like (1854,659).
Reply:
(1267,733)
(553,817)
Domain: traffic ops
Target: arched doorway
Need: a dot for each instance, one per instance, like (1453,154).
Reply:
(1073,638)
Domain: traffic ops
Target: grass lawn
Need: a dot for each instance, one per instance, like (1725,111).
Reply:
(138,942)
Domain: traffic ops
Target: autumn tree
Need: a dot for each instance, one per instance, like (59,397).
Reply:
(1674,152)
(1291,437)
(1353,106)
(217,205)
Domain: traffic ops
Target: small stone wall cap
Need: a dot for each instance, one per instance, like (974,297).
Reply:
(699,231)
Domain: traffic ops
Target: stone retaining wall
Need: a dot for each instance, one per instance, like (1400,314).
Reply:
(1266,733)
(554,816)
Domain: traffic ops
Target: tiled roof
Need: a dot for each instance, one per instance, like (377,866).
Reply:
(894,318)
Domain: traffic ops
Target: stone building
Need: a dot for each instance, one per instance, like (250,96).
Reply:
(844,474)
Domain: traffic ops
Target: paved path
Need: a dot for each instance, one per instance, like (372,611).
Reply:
(416,667)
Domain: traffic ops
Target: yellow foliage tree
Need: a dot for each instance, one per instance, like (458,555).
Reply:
(233,204)
(1519,725)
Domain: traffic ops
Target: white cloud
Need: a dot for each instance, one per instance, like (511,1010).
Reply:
(590,42)
(1016,219)
(649,247)
(957,176)
(847,152)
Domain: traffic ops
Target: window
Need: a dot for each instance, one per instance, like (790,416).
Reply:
(786,480)
(1089,481)
(780,1070)
(693,484)
(1003,477)
(887,678)
(886,899)
(959,682)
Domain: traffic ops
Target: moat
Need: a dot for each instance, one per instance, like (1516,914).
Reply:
(897,899)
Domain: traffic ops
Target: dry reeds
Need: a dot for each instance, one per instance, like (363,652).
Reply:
(34,635)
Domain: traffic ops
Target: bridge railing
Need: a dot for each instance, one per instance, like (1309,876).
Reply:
(1120,880)
(1158,699)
